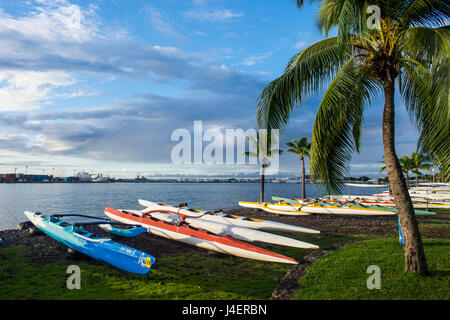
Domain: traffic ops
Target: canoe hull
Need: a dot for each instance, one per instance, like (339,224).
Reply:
(199,238)
(267,207)
(120,256)
(234,220)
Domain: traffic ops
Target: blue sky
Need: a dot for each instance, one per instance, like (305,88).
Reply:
(101,85)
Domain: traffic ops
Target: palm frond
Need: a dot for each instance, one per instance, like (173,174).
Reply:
(425,12)
(340,111)
(304,75)
(425,90)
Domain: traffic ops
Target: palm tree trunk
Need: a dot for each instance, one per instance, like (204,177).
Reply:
(262,185)
(303,178)
(417,180)
(415,260)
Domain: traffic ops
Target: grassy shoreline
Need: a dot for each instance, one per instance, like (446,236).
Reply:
(34,267)
(342,274)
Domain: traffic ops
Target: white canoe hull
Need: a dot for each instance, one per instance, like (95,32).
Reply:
(202,243)
(239,221)
(257,225)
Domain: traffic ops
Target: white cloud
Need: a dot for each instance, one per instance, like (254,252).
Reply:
(51,26)
(161,24)
(256,58)
(25,90)
(300,44)
(213,15)
(53,21)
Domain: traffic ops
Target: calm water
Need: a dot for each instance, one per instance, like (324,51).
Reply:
(92,198)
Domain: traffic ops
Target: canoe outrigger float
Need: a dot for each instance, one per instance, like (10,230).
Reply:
(208,235)
(95,246)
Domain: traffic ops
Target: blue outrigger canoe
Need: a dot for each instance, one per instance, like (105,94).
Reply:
(95,246)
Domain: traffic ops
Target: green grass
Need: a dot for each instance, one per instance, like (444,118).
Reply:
(201,275)
(194,275)
(342,274)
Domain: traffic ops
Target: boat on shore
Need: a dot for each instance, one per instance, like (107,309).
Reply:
(318,206)
(230,219)
(100,248)
(185,233)
(272,208)
(368,201)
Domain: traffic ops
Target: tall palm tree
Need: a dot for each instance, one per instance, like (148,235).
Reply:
(300,147)
(410,44)
(419,161)
(262,145)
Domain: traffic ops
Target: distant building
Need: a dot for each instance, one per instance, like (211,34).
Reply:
(20,177)
(84,177)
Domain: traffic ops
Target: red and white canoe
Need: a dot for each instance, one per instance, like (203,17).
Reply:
(197,237)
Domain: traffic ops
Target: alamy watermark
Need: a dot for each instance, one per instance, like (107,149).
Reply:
(374,19)
(74,280)
(374,281)
(232,147)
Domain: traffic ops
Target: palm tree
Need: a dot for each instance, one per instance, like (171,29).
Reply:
(300,147)
(264,152)
(406,165)
(411,44)
(419,161)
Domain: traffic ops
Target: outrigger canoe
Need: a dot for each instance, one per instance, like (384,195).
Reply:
(384,203)
(183,232)
(294,207)
(268,207)
(347,208)
(230,219)
(95,246)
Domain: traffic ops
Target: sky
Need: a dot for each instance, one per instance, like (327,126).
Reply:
(100,86)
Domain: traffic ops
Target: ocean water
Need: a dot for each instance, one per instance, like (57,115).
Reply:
(92,198)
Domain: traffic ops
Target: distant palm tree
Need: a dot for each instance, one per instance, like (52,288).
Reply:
(410,44)
(300,147)
(405,164)
(262,145)
(419,161)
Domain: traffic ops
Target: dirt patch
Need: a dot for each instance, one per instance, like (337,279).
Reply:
(289,285)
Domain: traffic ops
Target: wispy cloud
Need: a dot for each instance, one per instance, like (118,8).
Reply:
(256,58)
(300,44)
(214,15)
(162,25)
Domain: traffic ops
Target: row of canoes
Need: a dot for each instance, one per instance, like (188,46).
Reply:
(215,231)
(287,206)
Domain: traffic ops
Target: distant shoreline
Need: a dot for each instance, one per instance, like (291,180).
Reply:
(150,181)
